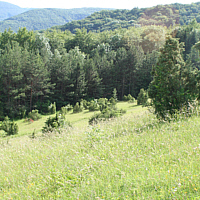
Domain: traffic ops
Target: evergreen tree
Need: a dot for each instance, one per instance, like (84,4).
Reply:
(168,90)
(12,89)
(93,84)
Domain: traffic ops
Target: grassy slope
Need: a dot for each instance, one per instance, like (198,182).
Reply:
(132,157)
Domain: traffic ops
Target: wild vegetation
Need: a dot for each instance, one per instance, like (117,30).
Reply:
(98,19)
(131,157)
(39,69)
(65,132)
(162,15)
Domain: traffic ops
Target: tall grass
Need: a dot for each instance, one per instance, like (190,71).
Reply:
(132,157)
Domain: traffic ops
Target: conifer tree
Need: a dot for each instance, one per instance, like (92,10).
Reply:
(169,89)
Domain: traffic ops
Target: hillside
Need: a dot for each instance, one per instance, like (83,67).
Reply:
(166,15)
(133,157)
(8,10)
(38,19)
(105,20)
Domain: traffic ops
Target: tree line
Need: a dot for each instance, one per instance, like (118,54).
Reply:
(38,69)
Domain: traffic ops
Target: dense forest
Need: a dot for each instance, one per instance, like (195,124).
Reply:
(165,15)
(37,69)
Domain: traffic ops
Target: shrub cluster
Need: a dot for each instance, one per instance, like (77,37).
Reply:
(93,105)
(129,98)
(52,108)
(34,115)
(78,107)
(10,127)
(54,123)
(108,110)
(142,97)
(65,109)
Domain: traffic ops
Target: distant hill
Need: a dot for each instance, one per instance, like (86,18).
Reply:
(105,20)
(165,15)
(9,10)
(38,19)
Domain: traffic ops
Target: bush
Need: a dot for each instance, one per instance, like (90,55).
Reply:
(85,104)
(78,108)
(106,114)
(10,127)
(65,109)
(103,103)
(52,108)
(115,94)
(124,98)
(53,123)
(34,115)
(129,98)
(112,101)
(94,106)
(142,97)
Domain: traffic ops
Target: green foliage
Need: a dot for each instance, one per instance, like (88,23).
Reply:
(106,114)
(65,109)
(142,97)
(61,67)
(34,19)
(105,20)
(55,123)
(10,127)
(103,103)
(52,108)
(108,110)
(112,101)
(94,106)
(115,94)
(34,115)
(171,89)
(129,98)
(161,15)
(8,10)
(78,108)
(85,104)
(87,162)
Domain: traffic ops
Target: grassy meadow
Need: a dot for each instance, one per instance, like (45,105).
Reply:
(130,157)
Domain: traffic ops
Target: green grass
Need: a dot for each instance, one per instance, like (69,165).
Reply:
(77,120)
(131,157)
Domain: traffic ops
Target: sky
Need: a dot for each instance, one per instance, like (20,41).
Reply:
(118,4)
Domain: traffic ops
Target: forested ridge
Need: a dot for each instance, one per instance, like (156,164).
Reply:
(38,19)
(8,10)
(99,19)
(37,69)
(165,15)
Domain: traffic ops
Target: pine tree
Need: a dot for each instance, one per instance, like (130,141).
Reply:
(93,85)
(168,90)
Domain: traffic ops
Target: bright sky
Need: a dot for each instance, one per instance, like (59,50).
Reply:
(120,4)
